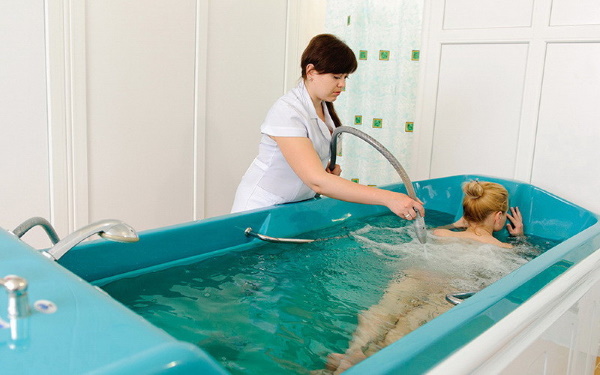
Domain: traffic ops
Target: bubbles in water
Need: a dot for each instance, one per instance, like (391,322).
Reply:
(467,264)
(281,308)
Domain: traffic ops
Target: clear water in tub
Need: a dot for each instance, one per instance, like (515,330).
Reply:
(282,308)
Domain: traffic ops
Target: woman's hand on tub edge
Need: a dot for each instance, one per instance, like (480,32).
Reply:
(515,227)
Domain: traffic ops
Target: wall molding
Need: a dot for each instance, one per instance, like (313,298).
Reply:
(67,113)
(537,37)
(200,96)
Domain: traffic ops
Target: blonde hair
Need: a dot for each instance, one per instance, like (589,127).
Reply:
(483,198)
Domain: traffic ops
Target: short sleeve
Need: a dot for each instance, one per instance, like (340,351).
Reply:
(285,120)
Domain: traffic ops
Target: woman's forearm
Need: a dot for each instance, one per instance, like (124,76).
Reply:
(342,189)
(301,156)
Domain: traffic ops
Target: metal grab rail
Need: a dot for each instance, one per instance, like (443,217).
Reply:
(456,298)
(250,233)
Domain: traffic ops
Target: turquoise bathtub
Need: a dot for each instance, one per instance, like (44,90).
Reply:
(92,333)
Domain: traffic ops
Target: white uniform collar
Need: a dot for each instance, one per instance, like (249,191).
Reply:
(311,109)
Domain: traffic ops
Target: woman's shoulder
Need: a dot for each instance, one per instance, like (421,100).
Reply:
(290,110)
(443,232)
(290,104)
(296,99)
(287,117)
(465,235)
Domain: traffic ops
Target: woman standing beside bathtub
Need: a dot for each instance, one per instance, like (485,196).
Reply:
(294,150)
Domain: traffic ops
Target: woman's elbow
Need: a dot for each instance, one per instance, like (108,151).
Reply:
(317,188)
(319,184)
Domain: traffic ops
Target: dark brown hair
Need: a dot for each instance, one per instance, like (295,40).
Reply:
(328,54)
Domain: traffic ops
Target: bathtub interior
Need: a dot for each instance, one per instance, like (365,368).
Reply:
(545,215)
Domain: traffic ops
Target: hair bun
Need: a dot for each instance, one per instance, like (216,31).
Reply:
(483,198)
(473,189)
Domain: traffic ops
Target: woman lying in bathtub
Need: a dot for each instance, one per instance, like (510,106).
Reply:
(485,211)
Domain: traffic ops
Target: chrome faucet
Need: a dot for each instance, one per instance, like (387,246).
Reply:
(114,230)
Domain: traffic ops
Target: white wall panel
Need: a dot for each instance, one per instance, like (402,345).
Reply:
(478,109)
(306,18)
(24,190)
(246,74)
(477,14)
(140,67)
(556,111)
(567,155)
(575,12)
(154,107)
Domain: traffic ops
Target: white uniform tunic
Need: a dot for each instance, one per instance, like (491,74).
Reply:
(270,180)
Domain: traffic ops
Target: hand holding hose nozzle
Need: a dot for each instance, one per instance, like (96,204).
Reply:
(419,221)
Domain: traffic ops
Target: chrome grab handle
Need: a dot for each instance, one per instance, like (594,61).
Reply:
(456,298)
(249,233)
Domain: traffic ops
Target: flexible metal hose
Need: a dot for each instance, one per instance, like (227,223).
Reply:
(34,221)
(419,222)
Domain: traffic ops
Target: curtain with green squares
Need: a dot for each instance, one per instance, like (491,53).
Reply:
(380,97)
